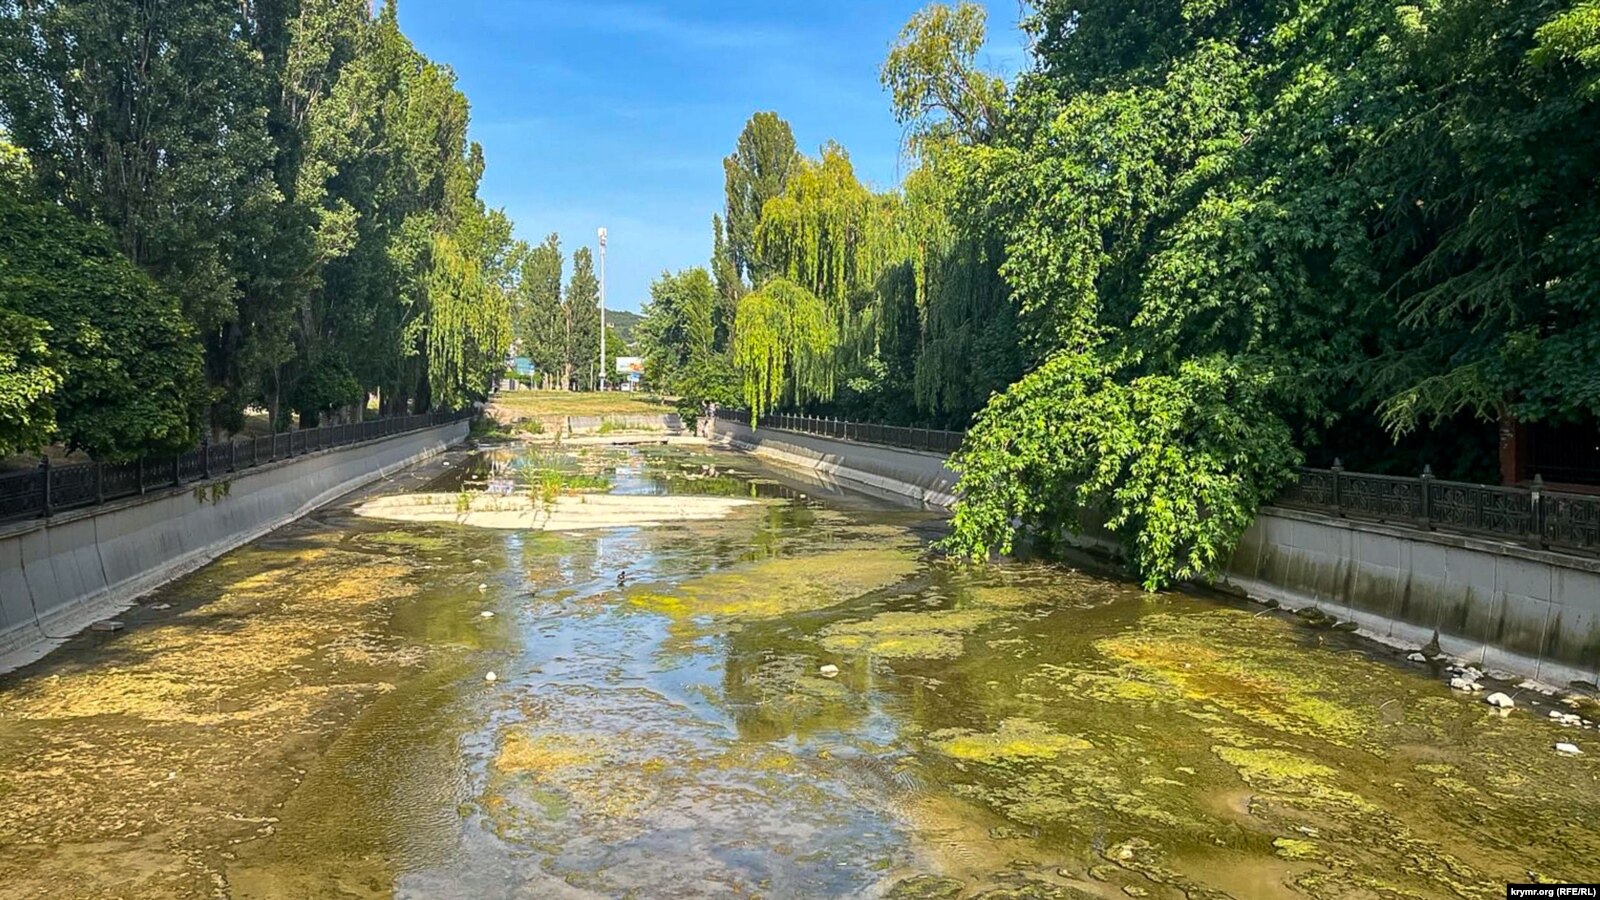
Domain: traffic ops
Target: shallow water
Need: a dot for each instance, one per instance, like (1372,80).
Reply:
(309,717)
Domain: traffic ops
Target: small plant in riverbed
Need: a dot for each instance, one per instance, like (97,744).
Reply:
(463,503)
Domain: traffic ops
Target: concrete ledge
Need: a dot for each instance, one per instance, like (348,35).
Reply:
(58,576)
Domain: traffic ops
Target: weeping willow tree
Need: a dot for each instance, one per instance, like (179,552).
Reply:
(835,238)
(468,324)
(784,341)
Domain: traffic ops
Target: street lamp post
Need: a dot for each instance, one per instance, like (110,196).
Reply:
(602,309)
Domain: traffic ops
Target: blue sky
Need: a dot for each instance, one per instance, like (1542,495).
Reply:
(594,112)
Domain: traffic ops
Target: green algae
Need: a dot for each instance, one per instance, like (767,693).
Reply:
(1015,739)
(1249,666)
(1294,848)
(782,586)
(906,635)
(406,540)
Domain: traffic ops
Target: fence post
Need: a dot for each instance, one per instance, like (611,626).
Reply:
(205,459)
(233,455)
(1338,494)
(1536,525)
(44,472)
(99,482)
(1427,497)
(177,470)
(139,471)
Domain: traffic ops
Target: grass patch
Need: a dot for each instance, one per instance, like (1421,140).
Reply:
(527,404)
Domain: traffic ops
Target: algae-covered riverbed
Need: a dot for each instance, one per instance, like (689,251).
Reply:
(309,717)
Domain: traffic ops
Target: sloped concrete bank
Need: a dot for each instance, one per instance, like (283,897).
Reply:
(1503,606)
(923,477)
(60,575)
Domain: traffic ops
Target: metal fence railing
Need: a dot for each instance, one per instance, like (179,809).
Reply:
(1534,515)
(933,440)
(49,489)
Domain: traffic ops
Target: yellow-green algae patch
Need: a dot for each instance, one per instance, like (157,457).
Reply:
(1015,739)
(781,586)
(405,540)
(907,635)
(1251,666)
(546,754)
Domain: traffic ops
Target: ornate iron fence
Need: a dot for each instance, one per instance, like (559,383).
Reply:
(49,489)
(1531,515)
(932,440)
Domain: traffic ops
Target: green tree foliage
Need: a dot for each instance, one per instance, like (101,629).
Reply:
(95,355)
(295,173)
(933,80)
(679,327)
(540,318)
(756,172)
(582,305)
(783,344)
(1336,210)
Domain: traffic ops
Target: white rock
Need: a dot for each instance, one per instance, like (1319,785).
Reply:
(1501,700)
(829,671)
(1569,749)
(1461,684)
(1557,714)
(482,588)
(1478,687)
(486,614)
(162,606)
(1417,658)
(491,678)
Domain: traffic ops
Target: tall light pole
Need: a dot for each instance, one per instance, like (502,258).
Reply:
(602,309)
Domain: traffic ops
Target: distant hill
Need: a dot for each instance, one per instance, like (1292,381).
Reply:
(624,322)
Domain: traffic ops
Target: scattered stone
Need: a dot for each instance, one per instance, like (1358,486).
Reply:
(486,615)
(482,588)
(1346,626)
(1461,684)
(1557,714)
(1568,750)
(108,625)
(1501,700)
(829,671)
(162,606)
(1476,687)
(491,678)
(1134,891)
(1417,658)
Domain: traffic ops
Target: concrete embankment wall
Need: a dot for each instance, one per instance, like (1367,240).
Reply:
(919,476)
(58,576)
(1504,606)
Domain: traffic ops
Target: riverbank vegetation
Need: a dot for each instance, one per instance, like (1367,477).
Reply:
(210,207)
(1190,246)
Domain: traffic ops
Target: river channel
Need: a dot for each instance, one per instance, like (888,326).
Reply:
(796,700)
